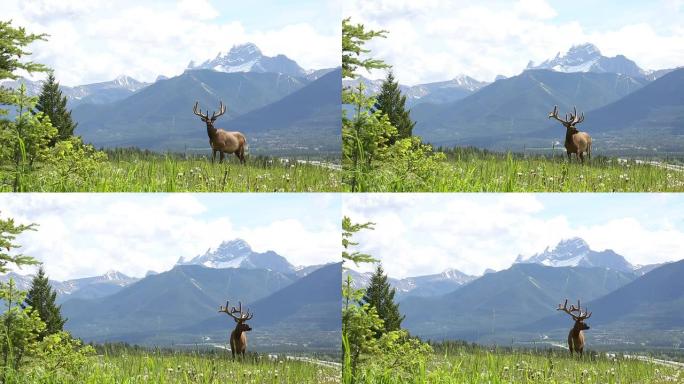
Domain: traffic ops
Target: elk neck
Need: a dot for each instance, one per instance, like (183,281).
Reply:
(568,134)
(576,330)
(211,132)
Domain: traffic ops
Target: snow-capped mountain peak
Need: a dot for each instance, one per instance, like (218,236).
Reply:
(248,57)
(126,82)
(454,274)
(575,252)
(238,253)
(588,58)
(114,275)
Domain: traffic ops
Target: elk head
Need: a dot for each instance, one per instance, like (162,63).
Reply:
(205,116)
(575,337)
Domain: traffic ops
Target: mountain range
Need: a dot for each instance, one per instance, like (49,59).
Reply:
(238,254)
(295,308)
(437,92)
(575,252)
(629,110)
(85,288)
(588,58)
(422,286)
(158,116)
(249,58)
(96,93)
(518,304)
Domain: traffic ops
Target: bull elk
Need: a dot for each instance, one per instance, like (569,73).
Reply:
(238,338)
(220,140)
(576,337)
(575,141)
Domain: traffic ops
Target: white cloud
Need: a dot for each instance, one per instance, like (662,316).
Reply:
(418,234)
(87,234)
(439,40)
(93,41)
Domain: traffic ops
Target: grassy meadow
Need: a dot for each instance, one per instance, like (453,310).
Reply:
(471,170)
(151,367)
(479,365)
(148,172)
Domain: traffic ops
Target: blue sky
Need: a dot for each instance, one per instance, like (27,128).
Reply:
(437,40)
(98,40)
(88,234)
(418,234)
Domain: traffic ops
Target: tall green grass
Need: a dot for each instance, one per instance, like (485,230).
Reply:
(491,172)
(468,366)
(176,174)
(150,367)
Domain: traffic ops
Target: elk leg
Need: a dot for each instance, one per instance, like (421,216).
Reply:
(221,159)
(569,156)
(213,156)
(581,156)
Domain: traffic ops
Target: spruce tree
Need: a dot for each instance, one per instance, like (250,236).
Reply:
(41,298)
(392,103)
(54,105)
(380,295)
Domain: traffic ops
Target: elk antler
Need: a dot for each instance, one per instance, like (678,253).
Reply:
(576,119)
(554,114)
(580,315)
(569,120)
(244,316)
(200,114)
(222,110)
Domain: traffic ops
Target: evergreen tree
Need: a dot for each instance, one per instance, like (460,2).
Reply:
(54,105)
(41,298)
(392,103)
(8,233)
(380,296)
(13,42)
(365,135)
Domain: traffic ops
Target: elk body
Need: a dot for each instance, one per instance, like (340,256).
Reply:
(222,141)
(575,141)
(238,338)
(576,336)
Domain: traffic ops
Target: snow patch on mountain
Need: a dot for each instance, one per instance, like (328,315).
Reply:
(575,252)
(588,58)
(239,254)
(249,58)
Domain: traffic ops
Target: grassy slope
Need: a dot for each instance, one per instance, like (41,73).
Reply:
(190,368)
(464,366)
(169,174)
(492,172)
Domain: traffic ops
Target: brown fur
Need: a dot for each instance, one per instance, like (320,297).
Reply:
(576,142)
(221,141)
(576,337)
(238,339)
